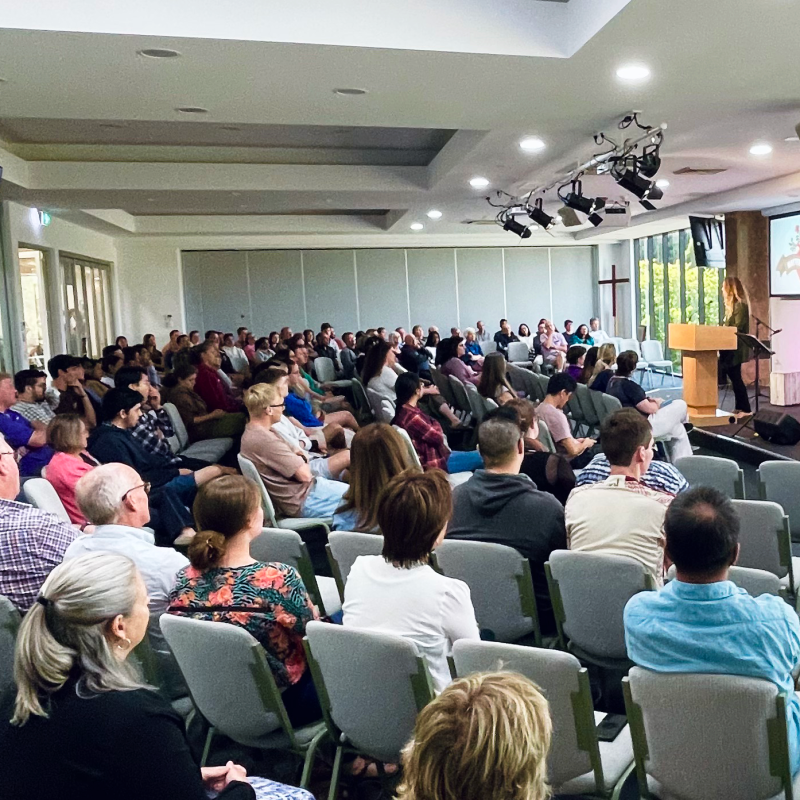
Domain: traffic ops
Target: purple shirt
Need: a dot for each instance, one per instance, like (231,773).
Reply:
(17,432)
(457,368)
(550,353)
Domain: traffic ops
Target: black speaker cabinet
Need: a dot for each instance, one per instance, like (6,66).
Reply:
(777,427)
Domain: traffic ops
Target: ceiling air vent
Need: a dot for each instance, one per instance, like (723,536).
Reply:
(699,170)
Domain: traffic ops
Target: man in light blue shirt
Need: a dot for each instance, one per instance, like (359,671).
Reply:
(701,622)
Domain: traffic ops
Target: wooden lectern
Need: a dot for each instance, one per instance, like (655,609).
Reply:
(700,344)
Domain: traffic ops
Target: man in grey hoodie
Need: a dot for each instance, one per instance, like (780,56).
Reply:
(500,506)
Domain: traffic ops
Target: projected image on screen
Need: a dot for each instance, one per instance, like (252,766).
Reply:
(784,255)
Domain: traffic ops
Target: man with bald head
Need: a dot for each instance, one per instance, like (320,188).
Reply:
(415,358)
(115,499)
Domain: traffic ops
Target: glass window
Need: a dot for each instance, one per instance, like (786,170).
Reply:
(672,289)
(87,301)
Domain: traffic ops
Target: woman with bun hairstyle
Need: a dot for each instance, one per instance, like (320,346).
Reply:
(223,583)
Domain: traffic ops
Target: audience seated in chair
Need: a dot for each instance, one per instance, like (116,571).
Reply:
(81,720)
(504,337)
(329,402)
(268,600)
(551,472)
(182,346)
(599,337)
(284,469)
(66,394)
(576,356)
(481,334)
(334,410)
(701,622)
(449,357)
(415,358)
(500,506)
(114,499)
(554,346)
(560,388)
(156,356)
(200,423)
(31,385)
(94,371)
(603,369)
(325,448)
(426,434)
(581,337)
(29,444)
(494,383)
(32,542)
(233,350)
(69,438)
(659,476)
(621,516)
(485,736)
(666,421)
(377,454)
(473,356)
(589,364)
(348,356)
(209,385)
(399,592)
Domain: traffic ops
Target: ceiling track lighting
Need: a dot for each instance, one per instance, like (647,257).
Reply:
(631,163)
(511,225)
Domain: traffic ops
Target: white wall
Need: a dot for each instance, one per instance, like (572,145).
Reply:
(22,227)
(618,253)
(361,288)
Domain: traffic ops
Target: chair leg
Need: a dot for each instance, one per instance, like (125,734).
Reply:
(308,764)
(337,768)
(621,782)
(207,746)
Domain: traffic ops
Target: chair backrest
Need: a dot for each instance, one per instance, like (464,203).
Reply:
(764,541)
(488,347)
(181,434)
(518,351)
(778,482)
(506,604)
(608,403)
(443,385)
(722,474)
(228,676)
(584,399)
(249,470)
(371,686)
(545,437)
(286,547)
(382,408)
(617,342)
(412,452)
(345,547)
(630,344)
(324,369)
(476,404)
(652,350)
(517,377)
(41,494)
(360,396)
(708,737)
(754,581)
(589,592)
(9,625)
(574,749)
(459,394)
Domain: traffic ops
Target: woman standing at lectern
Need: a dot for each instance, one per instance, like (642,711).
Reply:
(737,315)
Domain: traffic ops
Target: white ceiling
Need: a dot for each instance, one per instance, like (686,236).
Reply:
(723,77)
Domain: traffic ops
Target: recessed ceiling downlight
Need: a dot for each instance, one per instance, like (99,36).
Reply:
(761,149)
(434,213)
(633,73)
(158,52)
(532,144)
(350,92)
(192,110)
(479,183)
(416,226)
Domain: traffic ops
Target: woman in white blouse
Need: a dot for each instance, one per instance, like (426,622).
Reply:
(398,591)
(378,374)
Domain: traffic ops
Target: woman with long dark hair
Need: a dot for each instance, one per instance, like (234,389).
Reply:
(737,315)
(494,383)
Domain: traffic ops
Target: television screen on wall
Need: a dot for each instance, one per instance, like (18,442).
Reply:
(784,255)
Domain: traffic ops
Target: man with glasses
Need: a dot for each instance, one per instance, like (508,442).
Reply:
(30,445)
(115,499)
(501,506)
(31,385)
(621,516)
(32,542)
(294,490)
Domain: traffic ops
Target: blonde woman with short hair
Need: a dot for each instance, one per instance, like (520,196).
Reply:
(485,736)
(84,724)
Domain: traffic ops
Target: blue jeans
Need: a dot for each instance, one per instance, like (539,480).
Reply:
(464,461)
(324,498)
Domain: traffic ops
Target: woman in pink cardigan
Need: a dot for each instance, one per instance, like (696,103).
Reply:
(448,357)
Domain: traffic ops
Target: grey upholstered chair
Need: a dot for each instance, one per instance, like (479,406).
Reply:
(211,450)
(41,494)
(722,474)
(9,625)
(344,547)
(708,737)
(778,481)
(578,763)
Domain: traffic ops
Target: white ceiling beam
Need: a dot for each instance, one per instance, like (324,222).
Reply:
(453,154)
(203,225)
(15,170)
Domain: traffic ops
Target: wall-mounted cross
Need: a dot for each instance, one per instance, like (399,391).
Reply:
(613,283)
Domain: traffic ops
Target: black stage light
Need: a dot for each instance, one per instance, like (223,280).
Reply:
(595,219)
(650,162)
(576,200)
(517,227)
(639,186)
(538,215)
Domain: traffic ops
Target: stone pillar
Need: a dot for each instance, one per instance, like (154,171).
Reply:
(747,258)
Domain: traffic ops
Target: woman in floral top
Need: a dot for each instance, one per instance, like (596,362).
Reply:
(222,575)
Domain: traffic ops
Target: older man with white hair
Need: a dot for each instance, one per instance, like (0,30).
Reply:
(115,498)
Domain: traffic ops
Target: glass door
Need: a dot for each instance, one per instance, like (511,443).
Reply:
(34,314)
(87,302)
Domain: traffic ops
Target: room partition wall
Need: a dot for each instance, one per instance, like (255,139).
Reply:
(358,289)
